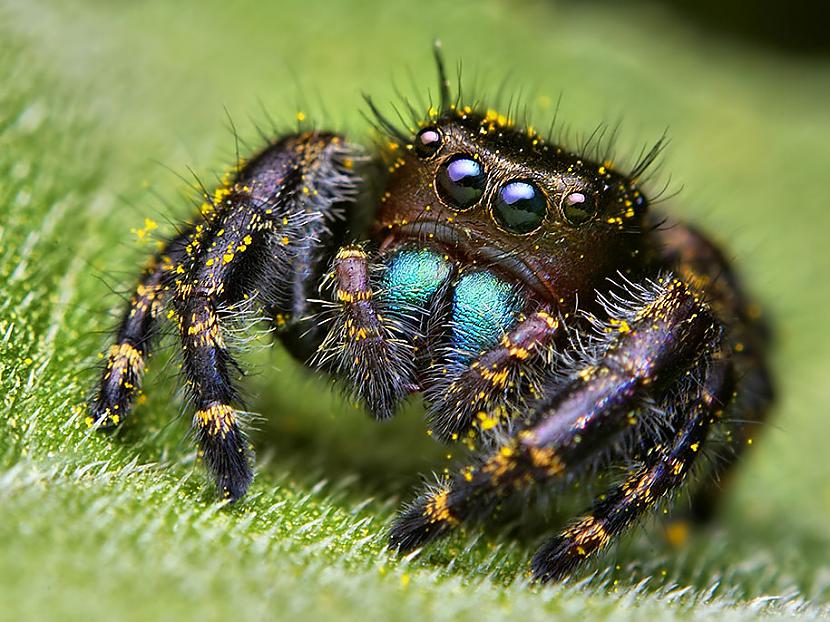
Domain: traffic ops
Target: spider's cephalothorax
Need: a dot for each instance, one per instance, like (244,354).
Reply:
(552,322)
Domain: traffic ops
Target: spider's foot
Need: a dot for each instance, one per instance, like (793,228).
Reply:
(558,557)
(103,416)
(425,520)
(119,386)
(224,449)
(230,465)
(553,562)
(235,483)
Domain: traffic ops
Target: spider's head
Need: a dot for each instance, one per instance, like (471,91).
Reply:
(500,195)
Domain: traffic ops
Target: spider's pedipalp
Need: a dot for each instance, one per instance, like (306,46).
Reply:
(379,318)
(363,344)
(474,395)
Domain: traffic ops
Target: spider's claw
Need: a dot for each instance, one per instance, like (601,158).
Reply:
(101,413)
(234,477)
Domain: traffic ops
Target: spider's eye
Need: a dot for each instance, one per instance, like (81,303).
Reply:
(427,142)
(460,182)
(520,207)
(578,207)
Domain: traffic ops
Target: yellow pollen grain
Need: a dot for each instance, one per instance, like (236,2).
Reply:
(677,533)
(143,233)
(486,422)
(622,326)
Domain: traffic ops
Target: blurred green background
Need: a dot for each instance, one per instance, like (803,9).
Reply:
(103,106)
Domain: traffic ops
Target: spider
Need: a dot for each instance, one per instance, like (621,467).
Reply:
(553,322)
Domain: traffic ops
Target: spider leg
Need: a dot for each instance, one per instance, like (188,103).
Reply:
(663,470)
(254,232)
(280,200)
(473,396)
(125,364)
(747,413)
(207,363)
(748,339)
(644,355)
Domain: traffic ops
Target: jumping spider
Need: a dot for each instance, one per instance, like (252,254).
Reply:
(552,322)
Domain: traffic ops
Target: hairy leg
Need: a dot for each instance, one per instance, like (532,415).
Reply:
(498,379)
(644,353)
(662,472)
(253,232)
(125,364)
(748,339)
(256,237)
(380,306)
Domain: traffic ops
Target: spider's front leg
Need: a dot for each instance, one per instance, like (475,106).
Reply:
(662,471)
(259,229)
(646,355)
(125,363)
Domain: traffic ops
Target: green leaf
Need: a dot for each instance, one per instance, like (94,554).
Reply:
(103,110)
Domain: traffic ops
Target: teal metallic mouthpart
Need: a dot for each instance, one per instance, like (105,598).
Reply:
(412,278)
(484,308)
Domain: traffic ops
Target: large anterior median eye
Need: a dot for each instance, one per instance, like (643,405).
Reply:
(520,207)
(460,182)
